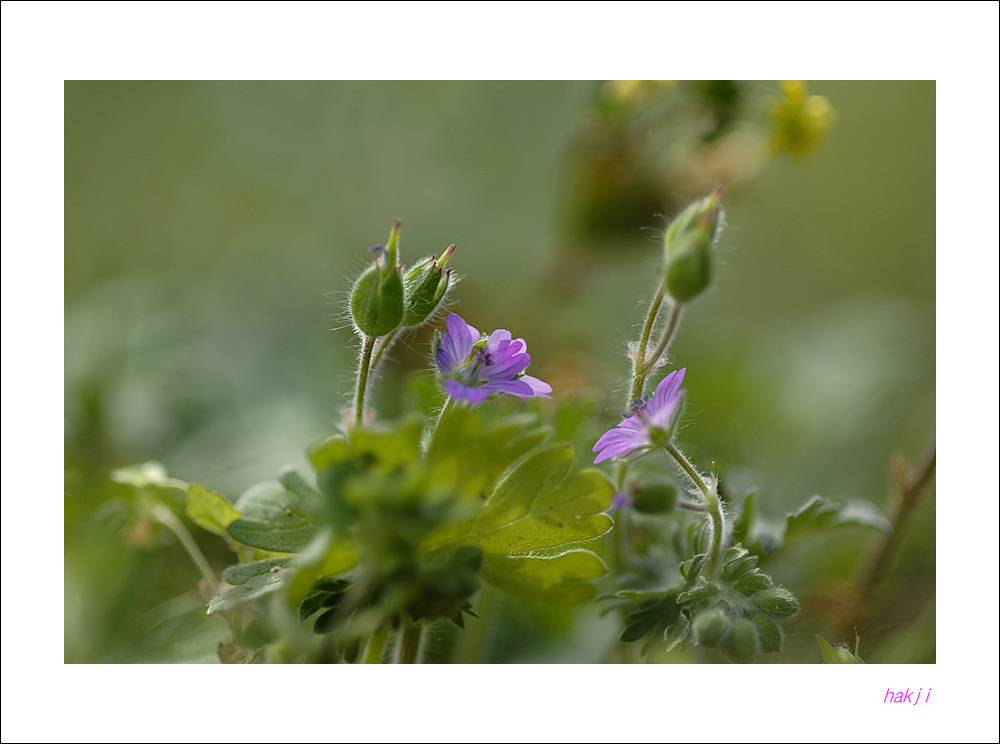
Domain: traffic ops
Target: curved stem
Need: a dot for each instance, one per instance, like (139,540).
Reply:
(681,504)
(364,366)
(713,505)
(668,334)
(387,341)
(408,648)
(172,523)
(639,363)
(689,469)
(619,533)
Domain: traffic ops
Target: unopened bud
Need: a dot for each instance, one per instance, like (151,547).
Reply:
(753,583)
(377,295)
(655,498)
(687,248)
(771,637)
(776,601)
(742,645)
(710,626)
(424,287)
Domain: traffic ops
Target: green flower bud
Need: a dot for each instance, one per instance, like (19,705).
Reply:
(655,498)
(710,626)
(742,644)
(753,583)
(687,248)
(739,568)
(424,287)
(776,601)
(377,295)
(771,637)
(841,654)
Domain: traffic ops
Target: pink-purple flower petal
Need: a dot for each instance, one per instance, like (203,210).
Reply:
(652,420)
(474,370)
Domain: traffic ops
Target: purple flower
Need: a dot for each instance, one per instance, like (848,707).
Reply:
(651,423)
(475,366)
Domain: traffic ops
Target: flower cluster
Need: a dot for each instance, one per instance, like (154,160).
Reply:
(475,365)
(651,423)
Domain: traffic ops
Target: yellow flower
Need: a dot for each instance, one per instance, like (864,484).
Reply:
(800,121)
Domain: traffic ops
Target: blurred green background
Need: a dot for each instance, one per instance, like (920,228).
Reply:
(211,230)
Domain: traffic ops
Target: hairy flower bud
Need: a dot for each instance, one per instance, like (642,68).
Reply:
(655,498)
(776,601)
(710,626)
(753,583)
(742,644)
(377,295)
(687,247)
(771,637)
(424,287)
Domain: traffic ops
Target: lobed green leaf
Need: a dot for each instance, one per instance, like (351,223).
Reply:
(470,455)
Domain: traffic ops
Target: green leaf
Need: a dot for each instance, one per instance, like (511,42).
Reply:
(820,514)
(277,516)
(537,507)
(690,568)
(243,572)
(470,455)
(658,615)
(256,579)
(326,593)
(743,526)
(150,474)
(562,579)
(325,556)
(209,510)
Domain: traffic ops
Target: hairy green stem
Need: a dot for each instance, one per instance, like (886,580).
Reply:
(689,469)
(172,523)
(387,341)
(619,535)
(408,644)
(668,334)
(681,504)
(375,646)
(713,505)
(639,372)
(364,367)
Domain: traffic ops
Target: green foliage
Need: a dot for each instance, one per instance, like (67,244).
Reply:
(280,517)
(392,535)
(566,578)
(822,514)
(471,453)
(254,580)
(816,516)
(734,606)
(537,508)
(209,510)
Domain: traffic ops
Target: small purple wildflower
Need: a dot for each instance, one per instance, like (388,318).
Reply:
(475,366)
(651,423)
